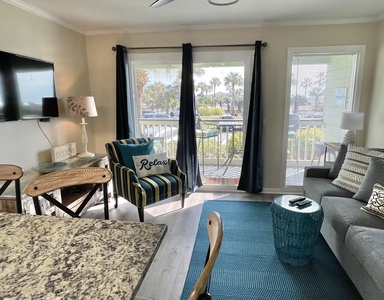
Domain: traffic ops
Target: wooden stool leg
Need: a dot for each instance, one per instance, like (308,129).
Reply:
(105,195)
(141,213)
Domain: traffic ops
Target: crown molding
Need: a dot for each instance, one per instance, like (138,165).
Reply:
(170,28)
(38,12)
(154,28)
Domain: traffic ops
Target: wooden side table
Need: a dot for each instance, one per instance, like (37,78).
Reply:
(330,145)
(71,197)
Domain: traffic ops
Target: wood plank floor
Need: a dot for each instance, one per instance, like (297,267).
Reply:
(166,276)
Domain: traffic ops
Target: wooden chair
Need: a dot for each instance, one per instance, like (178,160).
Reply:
(145,190)
(215,232)
(68,178)
(9,173)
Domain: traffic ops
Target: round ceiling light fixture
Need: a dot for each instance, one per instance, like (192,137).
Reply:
(222,2)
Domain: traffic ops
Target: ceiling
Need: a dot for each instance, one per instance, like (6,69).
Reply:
(109,16)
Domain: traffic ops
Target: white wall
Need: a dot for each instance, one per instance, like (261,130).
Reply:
(101,60)
(23,143)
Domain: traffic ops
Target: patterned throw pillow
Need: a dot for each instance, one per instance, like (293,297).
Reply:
(147,165)
(375,205)
(354,167)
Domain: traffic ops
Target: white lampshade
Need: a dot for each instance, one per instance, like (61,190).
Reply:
(83,106)
(352,120)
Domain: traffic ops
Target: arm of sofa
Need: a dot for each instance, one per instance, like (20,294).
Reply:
(318,172)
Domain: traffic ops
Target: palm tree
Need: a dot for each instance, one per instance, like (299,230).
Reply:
(319,90)
(155,94)
(142,78)
(215,82)
(204,91)
(306,83)
(144,73)
(232,80)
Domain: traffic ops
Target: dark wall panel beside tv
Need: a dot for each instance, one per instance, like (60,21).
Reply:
(24,82)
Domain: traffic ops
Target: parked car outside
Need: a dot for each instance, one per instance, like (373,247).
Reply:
(156,116)
(226,117)
(146,112)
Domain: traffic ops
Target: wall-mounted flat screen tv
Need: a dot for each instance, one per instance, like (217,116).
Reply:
(25,84)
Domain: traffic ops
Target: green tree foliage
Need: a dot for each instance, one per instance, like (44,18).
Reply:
(231,81)
(311,136)
(205,110)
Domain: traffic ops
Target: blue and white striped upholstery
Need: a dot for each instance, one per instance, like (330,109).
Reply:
(146,190)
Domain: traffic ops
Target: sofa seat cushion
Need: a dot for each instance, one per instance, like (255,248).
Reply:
(315,188)
(344,212)
(367,245)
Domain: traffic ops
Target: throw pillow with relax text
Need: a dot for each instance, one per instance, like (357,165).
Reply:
(147,165)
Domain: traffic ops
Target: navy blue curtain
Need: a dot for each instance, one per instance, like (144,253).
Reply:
(186,153)
(251,178)
(122,122)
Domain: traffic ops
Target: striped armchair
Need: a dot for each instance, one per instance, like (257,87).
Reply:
(146,190)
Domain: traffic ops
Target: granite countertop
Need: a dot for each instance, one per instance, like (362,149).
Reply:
(45,257)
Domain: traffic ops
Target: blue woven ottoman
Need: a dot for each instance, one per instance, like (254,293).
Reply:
(295,231)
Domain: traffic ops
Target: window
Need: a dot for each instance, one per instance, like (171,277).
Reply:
(221,80)
(322,84)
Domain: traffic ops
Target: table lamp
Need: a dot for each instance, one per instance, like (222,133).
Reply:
(351,121)
(83,106)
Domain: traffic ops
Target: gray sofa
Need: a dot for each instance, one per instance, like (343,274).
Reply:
(355,237)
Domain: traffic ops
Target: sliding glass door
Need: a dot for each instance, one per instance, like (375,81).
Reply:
(322,84)
(221,82)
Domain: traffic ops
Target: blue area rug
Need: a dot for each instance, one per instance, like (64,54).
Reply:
(248,268)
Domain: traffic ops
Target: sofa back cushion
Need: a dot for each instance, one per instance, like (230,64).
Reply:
(335,170)
(375,174)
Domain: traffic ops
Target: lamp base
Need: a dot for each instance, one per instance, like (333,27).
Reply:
(349,138)
(86,154)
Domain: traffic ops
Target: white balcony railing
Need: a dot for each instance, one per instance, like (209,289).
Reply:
(214,150)
(301,146)
(302,143)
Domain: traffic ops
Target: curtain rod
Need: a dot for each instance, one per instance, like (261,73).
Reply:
(264,44)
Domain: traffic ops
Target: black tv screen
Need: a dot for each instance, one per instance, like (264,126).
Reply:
(25,83)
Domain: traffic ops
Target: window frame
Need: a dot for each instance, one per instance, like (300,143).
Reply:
(212,55)
(322,50)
